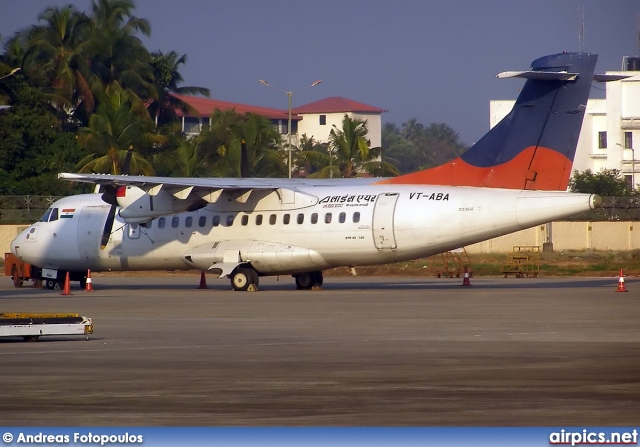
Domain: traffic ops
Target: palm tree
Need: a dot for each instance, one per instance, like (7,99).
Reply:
(249,146)
(189,161)
(349,153)
(166,79)
(53,58)
(115,53)
(121,121)
(310,156)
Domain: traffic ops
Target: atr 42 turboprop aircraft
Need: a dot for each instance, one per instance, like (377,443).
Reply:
(515,177)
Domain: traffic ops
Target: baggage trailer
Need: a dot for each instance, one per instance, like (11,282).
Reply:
(32,326)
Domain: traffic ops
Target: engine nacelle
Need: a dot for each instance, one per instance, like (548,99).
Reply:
(139,206)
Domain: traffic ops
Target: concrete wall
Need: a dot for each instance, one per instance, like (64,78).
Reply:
(603,236)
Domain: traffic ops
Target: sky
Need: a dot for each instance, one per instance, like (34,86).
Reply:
(434,61)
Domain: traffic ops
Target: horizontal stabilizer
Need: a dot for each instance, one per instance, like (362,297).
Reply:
(539,75)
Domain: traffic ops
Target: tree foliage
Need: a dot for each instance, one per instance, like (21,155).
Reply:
(607,182)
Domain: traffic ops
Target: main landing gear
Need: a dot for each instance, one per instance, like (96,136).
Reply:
(309,280)
(245,278)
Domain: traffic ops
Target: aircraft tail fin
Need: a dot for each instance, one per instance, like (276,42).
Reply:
(534,145)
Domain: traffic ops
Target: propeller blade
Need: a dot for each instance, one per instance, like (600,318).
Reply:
(106,232)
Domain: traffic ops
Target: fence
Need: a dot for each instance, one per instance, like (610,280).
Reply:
(24,209)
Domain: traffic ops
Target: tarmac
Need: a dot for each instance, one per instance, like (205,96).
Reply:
(364,351)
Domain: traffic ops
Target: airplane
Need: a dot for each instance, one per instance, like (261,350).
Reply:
(513,178)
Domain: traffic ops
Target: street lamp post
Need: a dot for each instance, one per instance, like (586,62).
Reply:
(12,72)
(289,96)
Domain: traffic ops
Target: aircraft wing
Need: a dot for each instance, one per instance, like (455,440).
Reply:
(191,191)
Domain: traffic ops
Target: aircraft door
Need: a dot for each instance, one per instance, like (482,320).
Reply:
(90,225)
(383,220)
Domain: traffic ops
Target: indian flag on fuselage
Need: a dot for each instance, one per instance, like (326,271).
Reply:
(67,213)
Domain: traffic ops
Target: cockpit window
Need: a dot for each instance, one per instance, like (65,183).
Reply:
(45,216)
(50,215)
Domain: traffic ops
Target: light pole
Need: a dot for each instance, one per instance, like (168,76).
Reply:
(12,72)
(289,96)
(633,165)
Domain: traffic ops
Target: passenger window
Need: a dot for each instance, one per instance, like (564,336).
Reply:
(230,219)
(202,221)
(188,222)
(54,214)
(259,219)
(286,219)
(314,218)
(216,221)
(161,222)
(342,217)
(272,219)
(327,218)
(244,220)
(175,222)
(300,218)
(356,217)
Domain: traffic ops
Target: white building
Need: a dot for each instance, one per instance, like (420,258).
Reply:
(315,119)
(318,118)
(609,129)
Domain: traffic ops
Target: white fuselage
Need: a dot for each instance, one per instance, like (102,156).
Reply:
(315,228)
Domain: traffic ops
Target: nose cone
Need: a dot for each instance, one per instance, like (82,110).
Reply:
(16,242)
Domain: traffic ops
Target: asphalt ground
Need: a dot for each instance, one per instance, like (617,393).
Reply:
(361,352)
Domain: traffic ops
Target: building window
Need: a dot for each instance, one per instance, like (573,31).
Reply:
(602,140)
(628,140)
(191,124)
(323,120)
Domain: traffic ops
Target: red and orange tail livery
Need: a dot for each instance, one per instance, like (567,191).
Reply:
(534,145)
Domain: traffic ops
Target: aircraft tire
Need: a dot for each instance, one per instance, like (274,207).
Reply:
(17,281)
(242,278)
(308,280)
(50,283)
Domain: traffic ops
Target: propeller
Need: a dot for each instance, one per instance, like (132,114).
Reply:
(110,197)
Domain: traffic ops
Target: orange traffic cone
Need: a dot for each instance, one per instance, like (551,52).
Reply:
(203,281)
(465,281)
(67,286)
(621,286)
(89,286)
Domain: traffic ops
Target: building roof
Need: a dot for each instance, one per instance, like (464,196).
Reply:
(206,107)
(337,104)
